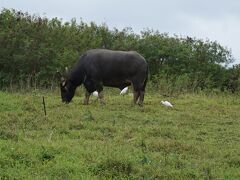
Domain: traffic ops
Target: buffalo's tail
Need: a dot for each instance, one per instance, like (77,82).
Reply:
(146,79)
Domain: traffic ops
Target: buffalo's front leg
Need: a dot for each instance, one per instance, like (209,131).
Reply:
(87,96)
(89,85)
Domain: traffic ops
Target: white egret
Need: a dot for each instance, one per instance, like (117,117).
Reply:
(166,103)
(124,91)
(95,93)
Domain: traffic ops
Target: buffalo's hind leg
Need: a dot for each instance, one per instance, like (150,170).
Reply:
(139,91)
(135,96)
(136,92)
(142,92)
(141,98)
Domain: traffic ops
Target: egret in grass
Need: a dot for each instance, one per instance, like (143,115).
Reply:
(124,91)
(167,104)
(95,93)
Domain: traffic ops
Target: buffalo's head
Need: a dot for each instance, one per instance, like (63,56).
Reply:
(67,89)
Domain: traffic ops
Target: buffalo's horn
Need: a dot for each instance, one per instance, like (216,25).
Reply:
(66,69)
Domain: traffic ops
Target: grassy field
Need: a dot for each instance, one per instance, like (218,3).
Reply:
(198,139)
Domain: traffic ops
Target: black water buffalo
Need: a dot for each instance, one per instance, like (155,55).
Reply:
(100,67)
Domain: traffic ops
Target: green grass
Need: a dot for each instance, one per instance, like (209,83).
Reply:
(198,139)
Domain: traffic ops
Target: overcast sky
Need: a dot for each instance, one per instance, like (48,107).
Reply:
(213,19)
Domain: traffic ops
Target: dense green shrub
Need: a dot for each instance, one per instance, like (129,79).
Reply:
(33,48)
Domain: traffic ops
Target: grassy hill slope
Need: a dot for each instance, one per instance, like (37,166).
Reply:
(198,138)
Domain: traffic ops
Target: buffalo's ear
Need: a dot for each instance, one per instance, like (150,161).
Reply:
(66,70)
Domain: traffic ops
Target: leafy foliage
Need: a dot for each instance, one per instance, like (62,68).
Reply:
(33,48)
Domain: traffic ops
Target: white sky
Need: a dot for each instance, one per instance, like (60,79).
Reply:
(213,19)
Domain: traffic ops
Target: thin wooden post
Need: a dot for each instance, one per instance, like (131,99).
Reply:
(44,106)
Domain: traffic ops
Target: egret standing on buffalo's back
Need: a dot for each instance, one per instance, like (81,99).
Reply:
(101,67)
